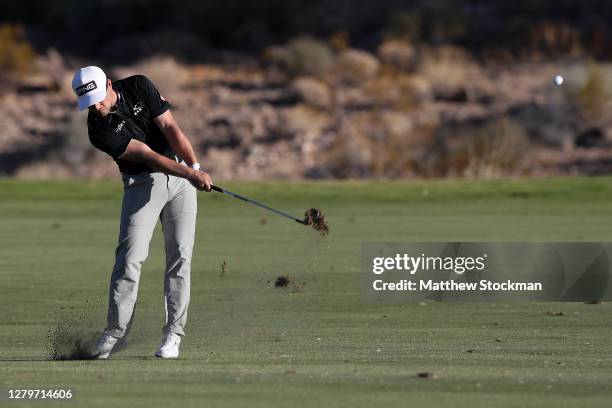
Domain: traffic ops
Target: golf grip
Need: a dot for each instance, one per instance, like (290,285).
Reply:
(265,207)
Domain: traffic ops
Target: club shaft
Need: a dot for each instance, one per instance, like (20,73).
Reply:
(248,200)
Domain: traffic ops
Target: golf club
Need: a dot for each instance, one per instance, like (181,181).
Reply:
(265,207)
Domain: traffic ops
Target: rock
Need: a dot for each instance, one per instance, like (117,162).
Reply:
(354,66)
(53,65)
(419,88)
(220,133)
(301,119)
(591,137)
(547,124)
(221,162)
(397,123)
(312,92)
(403,92)
(354,98)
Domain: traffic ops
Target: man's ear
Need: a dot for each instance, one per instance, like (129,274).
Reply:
(109,84)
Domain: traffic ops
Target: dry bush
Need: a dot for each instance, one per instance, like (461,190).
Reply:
(347,155)
(313,92)
(397,55)
(16,54)
(588,88)
(301,120)
(340,41)
(383,144)
(168,75)
(433,22)
(401,92)
(308,57)
(354,67)
(276,57)
(554,38)
(403,149)
(489,149)
(446,68)
(53,67)
(593,97)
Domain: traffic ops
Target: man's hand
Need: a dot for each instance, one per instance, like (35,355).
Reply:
(200,180)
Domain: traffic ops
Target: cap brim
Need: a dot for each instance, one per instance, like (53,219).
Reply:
(91,98)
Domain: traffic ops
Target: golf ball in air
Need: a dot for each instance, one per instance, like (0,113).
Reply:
(558,80)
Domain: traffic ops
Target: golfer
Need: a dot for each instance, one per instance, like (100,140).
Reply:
(130,121)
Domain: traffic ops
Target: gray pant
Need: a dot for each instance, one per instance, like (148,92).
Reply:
(146,198)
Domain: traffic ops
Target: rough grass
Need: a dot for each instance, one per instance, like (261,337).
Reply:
(249,343)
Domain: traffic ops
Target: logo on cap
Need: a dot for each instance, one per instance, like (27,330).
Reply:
(88,87)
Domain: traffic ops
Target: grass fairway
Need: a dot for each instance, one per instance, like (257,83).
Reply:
(250,344)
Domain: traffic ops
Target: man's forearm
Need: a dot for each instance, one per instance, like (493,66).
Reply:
(198,179)
(141,153)
(166,165)
(181,145)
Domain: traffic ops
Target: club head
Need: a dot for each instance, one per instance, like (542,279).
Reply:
(312,216)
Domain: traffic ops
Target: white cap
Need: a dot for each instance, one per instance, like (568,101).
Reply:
(89,84)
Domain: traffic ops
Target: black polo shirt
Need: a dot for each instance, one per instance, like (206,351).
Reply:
(139,102)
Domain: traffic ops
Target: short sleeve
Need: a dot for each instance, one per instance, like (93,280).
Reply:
(151,97)
(109,142)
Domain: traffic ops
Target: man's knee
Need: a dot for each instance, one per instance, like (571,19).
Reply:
(129,259)
(178,260)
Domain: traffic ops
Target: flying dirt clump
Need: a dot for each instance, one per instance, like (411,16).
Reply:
(426,375)
(316,218)
(286,282)
(282,282)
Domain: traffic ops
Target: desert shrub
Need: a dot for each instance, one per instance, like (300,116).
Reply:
(397,55)
(384,144)
(276,57)
(592,96)
(347,155)
(354,66)
(487,149)
(400,92)
(554,38)
(298,121)
(166,73)
(588,88)
(436,22)
(53,65)
(402,148)
(16,53)
(308,57)
(446,68)
(340,41)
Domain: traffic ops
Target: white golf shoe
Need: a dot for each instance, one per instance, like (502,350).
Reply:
(104,347)
(169,347)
